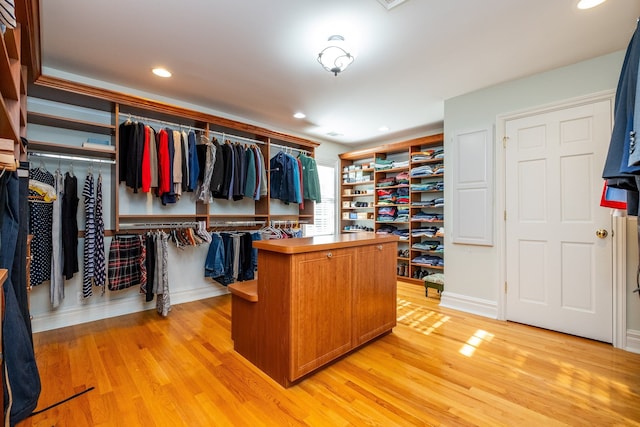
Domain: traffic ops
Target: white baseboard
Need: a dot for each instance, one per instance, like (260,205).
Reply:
(469,304)
(107,309)
(633,341)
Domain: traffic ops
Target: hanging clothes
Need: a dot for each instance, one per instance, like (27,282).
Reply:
(622,167)
(146,160)
(164,161)
(250,182)
(177,163)
(41,218)
(209,152)
(231,257)
(194,167)
(20,374)
(221,173)
(617,170)
(153,157)
(70,226)
(163,300)
(124,262)
(148,291)
(311,189)
(100,268)
(169,196)
(264,186)
(89,249)
(285,178)
(8,13)
(56,286)
(184,138)
(131,147)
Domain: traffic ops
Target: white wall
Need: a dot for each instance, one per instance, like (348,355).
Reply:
(473,271)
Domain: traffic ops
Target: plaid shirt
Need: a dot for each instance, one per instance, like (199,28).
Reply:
(126,261)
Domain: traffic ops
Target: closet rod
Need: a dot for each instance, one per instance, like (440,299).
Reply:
(72,158)
(277,222)
(236,223)
(225,135)
(146,225)
(285,148)
(162,122)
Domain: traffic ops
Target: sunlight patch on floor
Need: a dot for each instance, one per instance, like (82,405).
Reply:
(419,318)
(596,386)
(474,342)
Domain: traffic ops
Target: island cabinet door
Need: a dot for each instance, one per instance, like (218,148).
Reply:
(321,314)
(374,291)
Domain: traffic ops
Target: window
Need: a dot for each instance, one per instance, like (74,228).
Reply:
(325,212)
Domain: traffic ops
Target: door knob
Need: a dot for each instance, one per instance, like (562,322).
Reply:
(602,233)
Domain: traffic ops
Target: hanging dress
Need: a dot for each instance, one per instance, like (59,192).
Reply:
(40,223)
(70,226)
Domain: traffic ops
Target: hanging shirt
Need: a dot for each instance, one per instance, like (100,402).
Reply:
(177,163)
(164,162)
(153,157)
(185,161)
(146,161)
(194,167)
(250,182)
(311,188)
(8,13)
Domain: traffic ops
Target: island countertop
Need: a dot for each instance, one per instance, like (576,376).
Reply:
(319,243)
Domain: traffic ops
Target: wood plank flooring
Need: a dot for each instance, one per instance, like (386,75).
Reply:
(437,367)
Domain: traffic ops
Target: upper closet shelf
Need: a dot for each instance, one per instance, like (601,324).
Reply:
(70,149)
(69,123)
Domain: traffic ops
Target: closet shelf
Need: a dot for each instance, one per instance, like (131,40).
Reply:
(437,175)
(69,123)
(10,65)
(70,149)
(393,170)
(158,216)
(426,162)
(7,121)
(370,182)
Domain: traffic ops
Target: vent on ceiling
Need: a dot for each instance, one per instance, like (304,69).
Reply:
(334,134)
(390,4)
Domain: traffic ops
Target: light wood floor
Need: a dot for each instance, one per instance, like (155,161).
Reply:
(438,367)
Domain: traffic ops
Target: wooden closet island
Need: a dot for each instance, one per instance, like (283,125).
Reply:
(316,299)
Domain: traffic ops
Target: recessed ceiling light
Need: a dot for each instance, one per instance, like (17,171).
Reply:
(299,115)
(383,129)
(588,4)
(161,72)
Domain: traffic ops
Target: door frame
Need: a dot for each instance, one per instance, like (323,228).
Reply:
(618,223)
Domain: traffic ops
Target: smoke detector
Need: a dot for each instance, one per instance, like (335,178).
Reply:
(390,4)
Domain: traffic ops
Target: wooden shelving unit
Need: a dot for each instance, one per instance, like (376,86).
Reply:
(117,108)
(357,164)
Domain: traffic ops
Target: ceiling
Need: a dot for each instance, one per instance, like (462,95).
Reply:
(255,61)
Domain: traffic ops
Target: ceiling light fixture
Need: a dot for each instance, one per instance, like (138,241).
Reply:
(588,4)
(335,58)
(383,129)
(299,115)
(161,72)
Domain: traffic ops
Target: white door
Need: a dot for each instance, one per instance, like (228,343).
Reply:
(559,273)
